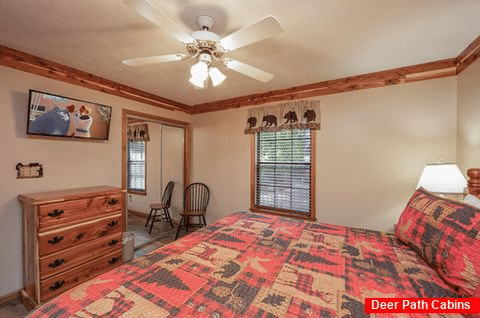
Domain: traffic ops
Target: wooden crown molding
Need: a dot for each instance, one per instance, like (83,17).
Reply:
(420,72)
(438,69)
(468,56)
(401,75)
(39,66)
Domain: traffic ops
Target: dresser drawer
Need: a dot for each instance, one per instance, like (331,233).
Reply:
(61,261)
(57,284)
(69,212)
(56,240)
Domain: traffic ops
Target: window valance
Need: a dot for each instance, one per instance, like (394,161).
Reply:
(138,132)
(290,115)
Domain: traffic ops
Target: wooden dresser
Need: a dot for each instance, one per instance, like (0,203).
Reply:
(69,236)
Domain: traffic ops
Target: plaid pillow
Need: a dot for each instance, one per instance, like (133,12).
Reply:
(445,233)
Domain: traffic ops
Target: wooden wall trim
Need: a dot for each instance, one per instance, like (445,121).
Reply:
(438,69)
(39,66)
(10,296)
(137,213)
(401,75)
(469,55)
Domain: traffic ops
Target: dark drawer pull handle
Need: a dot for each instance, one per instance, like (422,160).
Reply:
(57,285)
(56,263)
(55,213)
(79,236)
(55,240)
(113,223)
(114,260)
(112,242)
(112,201)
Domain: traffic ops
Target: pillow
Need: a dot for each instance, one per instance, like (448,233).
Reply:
(445,233)
(472,200)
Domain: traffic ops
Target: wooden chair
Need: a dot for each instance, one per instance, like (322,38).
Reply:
(195,201)
(163,207)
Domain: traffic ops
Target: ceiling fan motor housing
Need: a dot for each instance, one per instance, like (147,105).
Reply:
(205,40)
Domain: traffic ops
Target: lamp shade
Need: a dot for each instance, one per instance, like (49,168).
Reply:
(199,70)
(442,178)
(198,82)
(216,76)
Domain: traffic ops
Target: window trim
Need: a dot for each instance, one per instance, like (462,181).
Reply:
(135,191)
(284,212)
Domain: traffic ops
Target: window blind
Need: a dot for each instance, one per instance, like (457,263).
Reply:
(283,169)
(136,165)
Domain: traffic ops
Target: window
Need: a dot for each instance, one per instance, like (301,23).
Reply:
(136,167)
(283,178)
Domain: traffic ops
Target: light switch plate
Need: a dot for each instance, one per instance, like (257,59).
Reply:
(31,170)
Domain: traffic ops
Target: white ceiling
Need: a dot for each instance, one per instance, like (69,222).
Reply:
(322,39)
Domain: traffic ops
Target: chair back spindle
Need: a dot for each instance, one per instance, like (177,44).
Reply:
(167,194)
(196,197)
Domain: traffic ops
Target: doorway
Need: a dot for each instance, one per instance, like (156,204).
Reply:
(167,158)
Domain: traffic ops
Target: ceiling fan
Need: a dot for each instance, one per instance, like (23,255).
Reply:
(206,46)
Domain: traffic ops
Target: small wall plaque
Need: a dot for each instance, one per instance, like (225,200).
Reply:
(31,170)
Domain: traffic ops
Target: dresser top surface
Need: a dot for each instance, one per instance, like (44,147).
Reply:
(67,194)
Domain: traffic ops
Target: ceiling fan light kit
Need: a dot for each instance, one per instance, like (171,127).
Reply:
(216,76)
(206,46)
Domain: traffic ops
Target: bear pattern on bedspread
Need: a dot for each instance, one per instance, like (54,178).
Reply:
(257,265)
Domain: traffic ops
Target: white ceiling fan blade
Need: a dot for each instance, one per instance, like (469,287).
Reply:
(154,59)
(259,30)
(159,18)
(248,70)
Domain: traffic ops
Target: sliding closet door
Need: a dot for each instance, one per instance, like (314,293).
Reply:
(172,164)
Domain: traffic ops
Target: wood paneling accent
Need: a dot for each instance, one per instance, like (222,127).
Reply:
(39,66)
(469,55)
(401,75)
(313,175)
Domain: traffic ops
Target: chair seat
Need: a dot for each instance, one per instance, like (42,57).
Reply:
(192,212)
(158,206)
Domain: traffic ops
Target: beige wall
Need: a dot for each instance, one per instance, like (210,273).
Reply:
(371,150)
(469,117)
(67,163)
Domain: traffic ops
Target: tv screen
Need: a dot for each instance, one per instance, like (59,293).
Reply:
(53,115)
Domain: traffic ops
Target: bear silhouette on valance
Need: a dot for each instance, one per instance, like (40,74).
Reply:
(299,114)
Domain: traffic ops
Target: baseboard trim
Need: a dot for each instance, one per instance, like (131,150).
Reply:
(27,301)
(136,213)
(8,297)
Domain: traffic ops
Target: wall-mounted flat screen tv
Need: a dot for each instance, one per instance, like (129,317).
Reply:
(53,115)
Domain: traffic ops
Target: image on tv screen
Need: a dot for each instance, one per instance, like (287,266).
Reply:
(53,115)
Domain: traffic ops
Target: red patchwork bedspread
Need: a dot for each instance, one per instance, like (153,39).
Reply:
(256,265)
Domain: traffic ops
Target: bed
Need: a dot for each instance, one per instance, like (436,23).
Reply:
(261,265)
